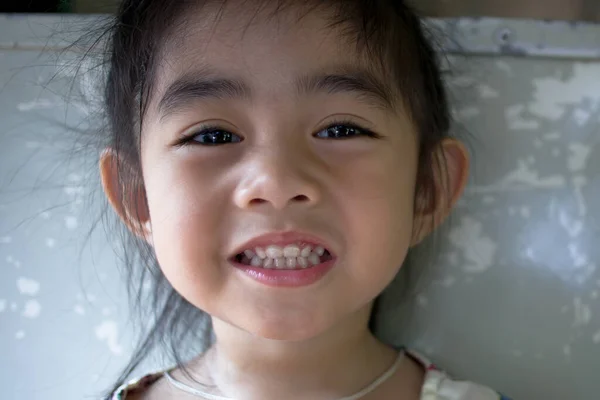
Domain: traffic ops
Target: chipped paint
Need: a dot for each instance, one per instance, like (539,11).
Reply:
(478,249)
(583,313)
(553,95)
(28,286)
(32,309)
(578,157)
(108,332)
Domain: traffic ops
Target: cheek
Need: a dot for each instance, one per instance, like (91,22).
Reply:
(378,212)
(185,228)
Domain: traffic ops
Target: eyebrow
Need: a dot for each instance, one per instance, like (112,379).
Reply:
(362,83)
(200,85)
(204,85)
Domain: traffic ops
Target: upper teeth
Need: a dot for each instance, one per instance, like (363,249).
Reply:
(289,256)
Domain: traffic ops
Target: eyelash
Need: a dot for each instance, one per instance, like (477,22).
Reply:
(189,139)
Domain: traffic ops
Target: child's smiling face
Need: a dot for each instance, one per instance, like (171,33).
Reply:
(274,85)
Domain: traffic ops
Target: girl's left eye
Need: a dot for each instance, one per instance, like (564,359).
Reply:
(344,131)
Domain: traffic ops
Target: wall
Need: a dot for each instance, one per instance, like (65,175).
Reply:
(514,301)
(571,10)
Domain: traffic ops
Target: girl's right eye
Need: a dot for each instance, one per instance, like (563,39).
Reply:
(211,137)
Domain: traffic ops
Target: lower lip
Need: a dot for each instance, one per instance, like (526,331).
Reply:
(287,277)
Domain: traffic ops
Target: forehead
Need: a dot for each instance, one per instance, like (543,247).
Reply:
(268,46)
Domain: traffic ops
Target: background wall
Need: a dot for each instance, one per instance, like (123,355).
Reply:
(575,10)
(514,301)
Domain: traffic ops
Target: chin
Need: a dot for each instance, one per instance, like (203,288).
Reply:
(289,331)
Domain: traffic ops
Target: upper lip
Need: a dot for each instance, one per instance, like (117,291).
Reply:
(282,239)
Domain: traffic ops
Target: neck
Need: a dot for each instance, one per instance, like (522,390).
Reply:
(337,363)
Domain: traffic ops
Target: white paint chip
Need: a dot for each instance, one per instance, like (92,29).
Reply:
(523,177)
(516,121)
(447,282)
(578,157)
(74,191)
(2,305)
(579,183)
(556,152)
(552,136)
(28,286)
(71,222)
(579,258)
(478,250)
(596,338)
(73,177)
(20,335)
(13,306)
(468,112)
(79,310)
(573,227)
(45,215)
(40,104)
(107,332)
(32,309)
(487,92)
(5,239)
(567,350)
(594,294)
(573,91)
(525,212)
(504,66)
(50,242)
(583,313)
(581,117)
(452,258)
(488,200)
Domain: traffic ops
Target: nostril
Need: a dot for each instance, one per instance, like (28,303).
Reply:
(301,198)
(257,201)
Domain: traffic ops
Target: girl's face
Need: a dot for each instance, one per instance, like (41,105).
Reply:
(268,91)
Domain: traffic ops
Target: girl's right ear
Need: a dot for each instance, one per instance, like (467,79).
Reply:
(128,202)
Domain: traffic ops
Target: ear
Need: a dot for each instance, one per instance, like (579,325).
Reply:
(450,172)
(128,202)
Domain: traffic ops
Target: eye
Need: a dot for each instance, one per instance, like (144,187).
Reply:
(212,137)
(343,130)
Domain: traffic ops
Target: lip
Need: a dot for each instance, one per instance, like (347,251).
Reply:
(289,278)
(282,239)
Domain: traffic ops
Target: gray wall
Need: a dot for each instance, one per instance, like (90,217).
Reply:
(513,302)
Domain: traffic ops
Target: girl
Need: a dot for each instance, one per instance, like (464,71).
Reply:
(275,161)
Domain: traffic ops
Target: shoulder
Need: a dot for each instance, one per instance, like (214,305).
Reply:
(437,385)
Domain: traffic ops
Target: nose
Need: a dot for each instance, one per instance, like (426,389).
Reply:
(277,180)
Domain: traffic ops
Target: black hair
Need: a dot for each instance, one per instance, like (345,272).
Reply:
(388,31)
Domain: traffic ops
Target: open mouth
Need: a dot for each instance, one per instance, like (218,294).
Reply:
(293,256)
